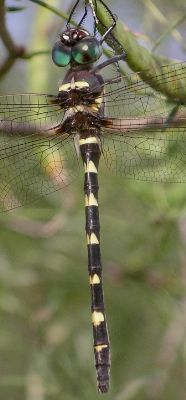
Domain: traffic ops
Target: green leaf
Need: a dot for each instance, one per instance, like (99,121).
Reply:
(140,60)
(28,56)
(14,9)
(171,27)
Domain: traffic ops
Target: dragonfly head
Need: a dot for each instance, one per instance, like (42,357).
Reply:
(76,47)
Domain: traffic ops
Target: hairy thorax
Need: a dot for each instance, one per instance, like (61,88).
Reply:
(81,96)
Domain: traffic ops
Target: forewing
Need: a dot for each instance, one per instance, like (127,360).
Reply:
(29,114)
(144,133)
(35,158)
(155,95)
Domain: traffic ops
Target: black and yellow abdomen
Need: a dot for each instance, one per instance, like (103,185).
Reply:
(90,152)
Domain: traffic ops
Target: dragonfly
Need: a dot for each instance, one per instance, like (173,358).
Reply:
(138,132)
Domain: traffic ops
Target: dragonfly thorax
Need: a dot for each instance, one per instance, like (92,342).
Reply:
(82,88)
(79,120)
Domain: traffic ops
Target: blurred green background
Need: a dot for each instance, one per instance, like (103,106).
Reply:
(45,330)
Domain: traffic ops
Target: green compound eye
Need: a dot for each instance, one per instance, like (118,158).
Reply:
(86,51)
(61,54)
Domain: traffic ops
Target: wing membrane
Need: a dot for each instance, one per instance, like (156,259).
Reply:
(34,159)
(156,95)
(28,114)
(30,169)
(150,155)
(144,134)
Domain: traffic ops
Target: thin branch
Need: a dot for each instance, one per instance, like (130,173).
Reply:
(28,56)
(13,50)
(37,229)
(123,125)
(135,125)
(158,16)
(5,36)
(7,65)
(171,28)
(14,9)
(51,8)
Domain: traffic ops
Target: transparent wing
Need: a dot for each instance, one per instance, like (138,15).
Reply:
(146,153)
(155,95)
(23,114)
(34,158)
(144,134)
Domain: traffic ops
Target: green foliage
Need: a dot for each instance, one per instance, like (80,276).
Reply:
(140,59)
(14,9)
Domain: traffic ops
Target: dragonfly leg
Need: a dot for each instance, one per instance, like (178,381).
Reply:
(72,12)
(84,16)
(110,61)
(109,30)
(117,79)
(85,12)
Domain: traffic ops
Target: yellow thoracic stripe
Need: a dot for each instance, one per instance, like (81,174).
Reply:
(73,110)
(94,107)
(99,100)
(65,87)
(81,108)
(94,280)
(92,239)
(90,200)
(81,84)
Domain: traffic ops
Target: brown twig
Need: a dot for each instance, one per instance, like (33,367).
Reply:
(123,125)
(14,51)
(135,125)
(37,229)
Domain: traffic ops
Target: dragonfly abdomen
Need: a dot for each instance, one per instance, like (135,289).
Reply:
(90,152)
